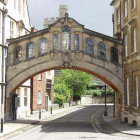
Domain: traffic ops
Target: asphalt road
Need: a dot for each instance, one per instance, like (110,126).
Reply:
(73,126)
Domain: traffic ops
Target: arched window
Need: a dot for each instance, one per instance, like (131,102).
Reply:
(102,50)
(89,46)
(77,42)
(66,38)
(42,45)
(114,55)
(30,49)
(55,42)
(18,53)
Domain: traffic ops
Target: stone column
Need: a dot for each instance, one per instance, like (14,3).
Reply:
(81,47)
(72,41)
(24,51)
(36,48)
(50,46)
(60,41)
(96,48)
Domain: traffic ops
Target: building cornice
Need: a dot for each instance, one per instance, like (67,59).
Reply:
(3,2)
(112,3)
(102,36)
(18,23)
(88,31)
(3,46)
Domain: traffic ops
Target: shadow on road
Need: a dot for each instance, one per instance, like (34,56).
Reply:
(77,121)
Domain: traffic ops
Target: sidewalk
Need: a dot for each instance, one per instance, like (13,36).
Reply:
(119,126)
(15,127)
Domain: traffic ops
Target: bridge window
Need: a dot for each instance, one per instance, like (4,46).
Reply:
(42,46)
(89,46)
(30,50)
(55,42)
(18,53)
(66,39)
(77,44)
(114,55)
(102,50)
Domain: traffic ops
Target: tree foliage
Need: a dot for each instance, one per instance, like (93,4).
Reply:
(62,89)
(75,82)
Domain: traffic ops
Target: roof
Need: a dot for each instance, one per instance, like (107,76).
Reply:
(112,2)
(66,18)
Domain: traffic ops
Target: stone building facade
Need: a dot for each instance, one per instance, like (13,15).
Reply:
(70,45)
(127,28)
(14,22)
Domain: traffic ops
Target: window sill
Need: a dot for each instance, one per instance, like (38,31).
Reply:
(17,62)
(125,57)
(134,53)
(42,54)
(115,63)
(103,59)
(29,58)
(136,107)
(125,19)
(134,9)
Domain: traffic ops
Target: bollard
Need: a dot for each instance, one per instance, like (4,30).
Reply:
(1,125)
(51,109)
(39,114)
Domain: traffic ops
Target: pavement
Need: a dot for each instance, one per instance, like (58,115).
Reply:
(13,128)
(21,125)
(119,126)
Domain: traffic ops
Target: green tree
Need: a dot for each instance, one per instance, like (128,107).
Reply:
(76,81)
(62,89)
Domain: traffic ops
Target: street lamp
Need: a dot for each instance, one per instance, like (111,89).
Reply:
(105,112)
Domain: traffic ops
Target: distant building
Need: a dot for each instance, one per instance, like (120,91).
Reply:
(39,97)
(42,94)
(98,81)
(62,10)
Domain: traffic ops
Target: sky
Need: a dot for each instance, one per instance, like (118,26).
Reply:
(96,15)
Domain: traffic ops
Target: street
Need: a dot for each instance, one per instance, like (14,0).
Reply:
(76,125)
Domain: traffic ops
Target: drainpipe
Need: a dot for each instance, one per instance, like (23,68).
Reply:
(4,51)
(113,23)
(105,111)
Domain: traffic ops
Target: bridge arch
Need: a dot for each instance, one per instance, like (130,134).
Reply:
(69,45)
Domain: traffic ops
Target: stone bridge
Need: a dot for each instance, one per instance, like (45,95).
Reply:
(64,44)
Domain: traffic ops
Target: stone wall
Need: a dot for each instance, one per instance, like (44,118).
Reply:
(89,99)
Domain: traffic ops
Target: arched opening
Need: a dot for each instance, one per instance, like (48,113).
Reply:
(48,82)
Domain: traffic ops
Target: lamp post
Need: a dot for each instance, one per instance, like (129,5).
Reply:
(105,112)
(114,106)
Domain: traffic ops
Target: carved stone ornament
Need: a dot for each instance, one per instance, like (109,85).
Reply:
(67,60)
